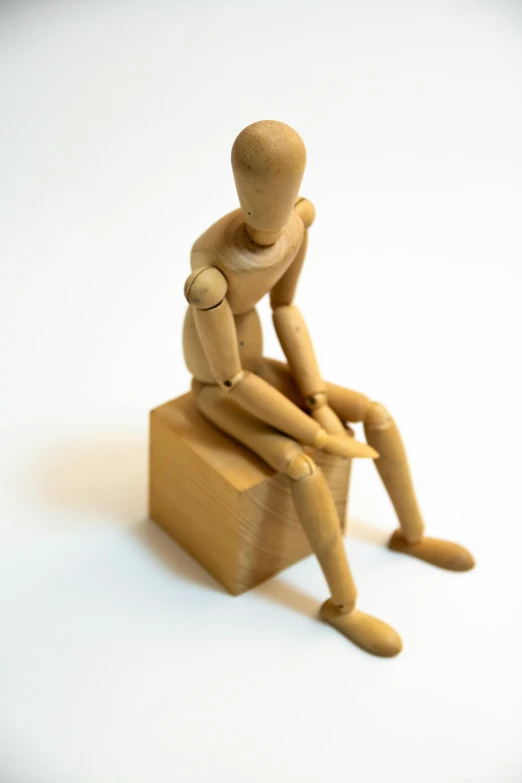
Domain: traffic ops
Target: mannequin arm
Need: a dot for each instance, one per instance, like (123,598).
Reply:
(217,332)
(289,323)
(294,336)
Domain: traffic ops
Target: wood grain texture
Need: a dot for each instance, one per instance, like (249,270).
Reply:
(205,287)
(222,503)
(271,445)
(329,420)
(217,332)
(306,211)
(318,516)
(297,346)
(283,292)
(251,270)
(268,161)
(383,434)
(249,340)
(440,553)
(261,399)
(367,632)
(240,519)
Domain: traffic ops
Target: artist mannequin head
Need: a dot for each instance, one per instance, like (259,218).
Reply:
(268,161)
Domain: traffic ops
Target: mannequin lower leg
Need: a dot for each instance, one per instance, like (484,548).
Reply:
(382,433)
(320,522)
(316,511)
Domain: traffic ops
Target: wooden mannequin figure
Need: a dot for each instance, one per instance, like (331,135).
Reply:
(275,409)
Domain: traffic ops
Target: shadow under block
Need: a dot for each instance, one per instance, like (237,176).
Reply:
(225,506)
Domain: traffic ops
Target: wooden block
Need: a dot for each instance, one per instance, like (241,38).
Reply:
(226,507)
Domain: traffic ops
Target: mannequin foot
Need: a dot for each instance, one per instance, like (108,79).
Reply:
(443,554)
(372,635)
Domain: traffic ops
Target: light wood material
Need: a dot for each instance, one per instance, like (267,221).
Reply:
(266,403)
(250,269)
(222,503)
(349,405)
(268,161)
(329,420)
(313,501)
(295,341)
(249,339)
(306,211)
(275,448)
(444,554)
(262,400)
(283,291)
(382,433)
(318,516)
(257,250)
(205,287)
(367,632)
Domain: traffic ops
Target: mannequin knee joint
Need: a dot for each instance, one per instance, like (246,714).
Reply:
(300,467)
(376,415)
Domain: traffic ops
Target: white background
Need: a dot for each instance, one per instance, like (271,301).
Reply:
(120,659)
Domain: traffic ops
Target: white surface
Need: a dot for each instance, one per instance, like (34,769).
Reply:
(120,660)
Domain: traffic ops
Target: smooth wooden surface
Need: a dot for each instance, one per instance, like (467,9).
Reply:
(223,504)
(367,632)
(268,161)
(264,401)
(205,287)
(260,250)
(314,504)
(249,339)
(383,434)
(306,211)
(251,270)
(119,663)
(329,420)
(217,332)
(443,554)
(271,445)
(296,343)
(283,292)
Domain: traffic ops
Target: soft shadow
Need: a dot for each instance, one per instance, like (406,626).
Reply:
(109,477)
(363,531)
(172,556)
(281,592)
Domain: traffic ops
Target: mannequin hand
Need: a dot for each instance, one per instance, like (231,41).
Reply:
(343,446)
(336,439)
